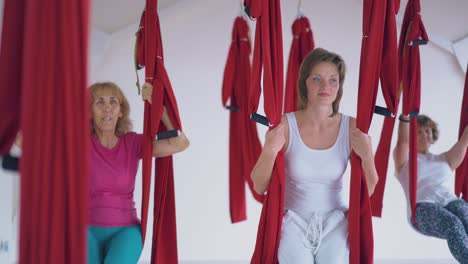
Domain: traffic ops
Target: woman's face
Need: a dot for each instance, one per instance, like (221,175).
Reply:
(425,138)
(323,84)
(106,111)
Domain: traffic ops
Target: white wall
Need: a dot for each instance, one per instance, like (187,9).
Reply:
(461,49)
(6,223)
(9,204)
(196,36)
(98,45)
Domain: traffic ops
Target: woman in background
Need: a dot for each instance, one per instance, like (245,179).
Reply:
(439,212)
(114,234)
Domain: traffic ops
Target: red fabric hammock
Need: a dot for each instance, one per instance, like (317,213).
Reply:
(11,62)
(378,27)
(150,54)
(302,44)
(50,70)
(244,144)
(461,179)
(391,93)
(268,55)
(412,33)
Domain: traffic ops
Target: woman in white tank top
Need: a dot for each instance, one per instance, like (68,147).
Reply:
(439,212)
(317,140)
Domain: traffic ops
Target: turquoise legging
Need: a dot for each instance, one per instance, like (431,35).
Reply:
(114,245)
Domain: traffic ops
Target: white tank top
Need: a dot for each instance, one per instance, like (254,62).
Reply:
(435,179)
(314,178)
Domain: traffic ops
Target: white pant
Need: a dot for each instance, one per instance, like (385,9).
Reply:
(323,239)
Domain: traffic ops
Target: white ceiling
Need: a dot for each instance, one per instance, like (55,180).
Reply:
(112,15)
(446,21)
(445,18)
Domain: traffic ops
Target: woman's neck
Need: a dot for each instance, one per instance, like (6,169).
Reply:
(424,152)
(107,139)
(317,116)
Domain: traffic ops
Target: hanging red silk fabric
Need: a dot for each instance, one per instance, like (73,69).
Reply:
(378,27)
(11,61)
(302,44)
(244,144)
(149,54)
(412,35)
(49,72)
(268,55)
(391,93)
(461,178)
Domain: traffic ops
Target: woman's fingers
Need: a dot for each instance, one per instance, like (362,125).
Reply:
(147,92)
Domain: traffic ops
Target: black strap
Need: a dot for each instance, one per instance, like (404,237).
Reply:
(418,42)
(233,108)
(413,114)
(167,134)
(383,111)
(10,162)
(260,119)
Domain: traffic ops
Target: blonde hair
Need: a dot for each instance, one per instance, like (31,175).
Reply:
(124,124)
(315,57)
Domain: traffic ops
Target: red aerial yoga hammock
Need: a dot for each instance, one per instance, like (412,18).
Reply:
(11,62)
(44,89)
(268,55)
(379,33)
(412,35)
(302,44)
(149,53)
(461,179)
(244,144)
(391,93)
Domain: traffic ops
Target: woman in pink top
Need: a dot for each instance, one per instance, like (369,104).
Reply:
(114,234)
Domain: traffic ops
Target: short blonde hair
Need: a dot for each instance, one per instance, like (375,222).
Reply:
(425,121)
(315,57)
(124,124)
